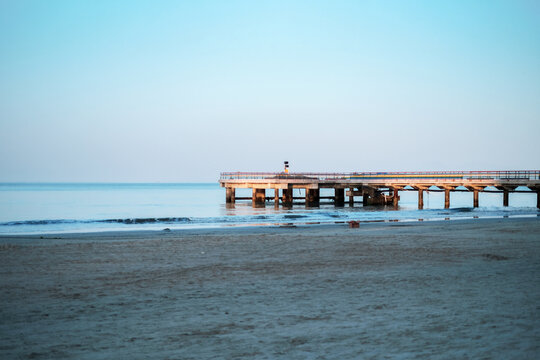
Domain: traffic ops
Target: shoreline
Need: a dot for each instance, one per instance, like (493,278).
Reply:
(261,228)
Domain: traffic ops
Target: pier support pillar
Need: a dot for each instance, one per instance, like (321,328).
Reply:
(287,197)
(230,195)
(351,197)
(537,189)
(506,193)
(339,197)
(446,198)
(378,198)
(259,197)
(420,199)
(312,197)
(276,197)
(475,198)
(365,199)
(395,198)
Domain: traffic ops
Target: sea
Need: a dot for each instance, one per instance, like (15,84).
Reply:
(47,208)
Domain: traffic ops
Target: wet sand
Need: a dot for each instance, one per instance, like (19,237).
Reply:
(428,290)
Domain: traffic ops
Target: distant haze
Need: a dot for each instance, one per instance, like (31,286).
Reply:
(172,91)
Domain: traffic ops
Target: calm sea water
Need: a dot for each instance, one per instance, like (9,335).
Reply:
(52,208)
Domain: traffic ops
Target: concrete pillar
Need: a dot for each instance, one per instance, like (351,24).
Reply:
(316,196)
(446,198)
(420,198)
(339,197)
(505,197)
(475,198)
(351,198)
(396,198)
(287,197)
(276,197)
(258,197)
(312,197)
(230,195)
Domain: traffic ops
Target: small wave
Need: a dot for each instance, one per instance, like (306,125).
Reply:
(117,221)
(146,220)
(335,216)
(294,216)
(463,209)
(37,222)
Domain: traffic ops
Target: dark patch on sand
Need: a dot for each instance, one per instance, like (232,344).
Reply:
(494,257)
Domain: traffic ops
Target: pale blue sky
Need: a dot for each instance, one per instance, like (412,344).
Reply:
(172,91)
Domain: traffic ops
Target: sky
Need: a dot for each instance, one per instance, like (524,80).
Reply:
(178,91)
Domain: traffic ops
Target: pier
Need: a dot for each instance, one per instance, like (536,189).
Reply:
(376,188)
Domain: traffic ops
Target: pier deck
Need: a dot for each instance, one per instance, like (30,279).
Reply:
(378,188)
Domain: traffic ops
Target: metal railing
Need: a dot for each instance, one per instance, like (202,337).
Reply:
(466,175)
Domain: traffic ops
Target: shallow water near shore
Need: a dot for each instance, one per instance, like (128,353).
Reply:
(61,208)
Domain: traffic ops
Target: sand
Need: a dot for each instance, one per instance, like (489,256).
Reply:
(427,290)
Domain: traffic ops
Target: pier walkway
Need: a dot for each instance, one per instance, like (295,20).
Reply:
(377,188)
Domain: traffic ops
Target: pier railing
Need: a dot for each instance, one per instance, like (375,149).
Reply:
(466,175)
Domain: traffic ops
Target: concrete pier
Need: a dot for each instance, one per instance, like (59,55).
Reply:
(230,196)
(339,197)
(312,197)
(446,198)
(259,197)
(372,196)
(287,198)
(373,187)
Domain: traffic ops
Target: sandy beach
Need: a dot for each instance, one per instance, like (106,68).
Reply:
(466,289)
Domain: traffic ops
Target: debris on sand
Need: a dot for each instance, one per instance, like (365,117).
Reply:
(494,257)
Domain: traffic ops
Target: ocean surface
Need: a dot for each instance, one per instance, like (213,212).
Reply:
(34,208)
